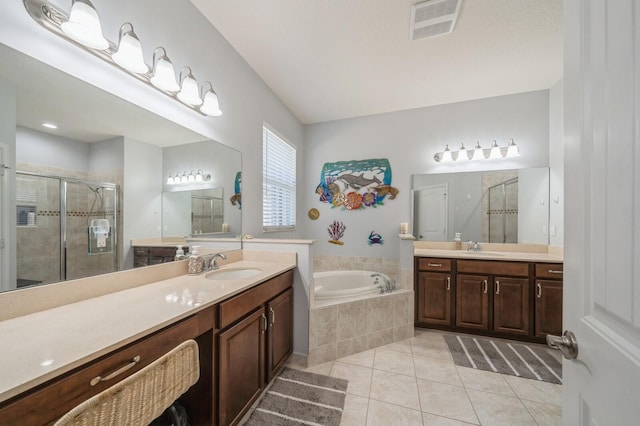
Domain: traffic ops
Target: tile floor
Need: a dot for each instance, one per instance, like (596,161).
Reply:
(415,382)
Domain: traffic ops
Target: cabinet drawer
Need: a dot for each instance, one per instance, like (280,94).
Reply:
(53,399)
(514,269)
(141,251)
(549,270)
(235,308)
(434,264)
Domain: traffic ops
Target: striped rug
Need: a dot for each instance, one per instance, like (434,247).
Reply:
(301,398)
(507,357)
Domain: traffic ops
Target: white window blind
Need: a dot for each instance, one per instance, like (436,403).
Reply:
(278,183)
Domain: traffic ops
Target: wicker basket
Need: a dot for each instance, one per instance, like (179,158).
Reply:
(144,395)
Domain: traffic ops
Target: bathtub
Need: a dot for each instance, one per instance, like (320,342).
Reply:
(344,284)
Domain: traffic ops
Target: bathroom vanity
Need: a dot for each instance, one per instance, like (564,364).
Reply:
(504,294)
(243,327)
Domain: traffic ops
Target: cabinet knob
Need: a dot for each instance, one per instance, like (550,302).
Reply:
(437,265)
(485,286)
(273,315)
(448,283)
(539,293)
(497,287)
(554,271)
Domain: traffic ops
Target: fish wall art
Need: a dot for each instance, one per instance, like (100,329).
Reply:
(236,198)
(356,184)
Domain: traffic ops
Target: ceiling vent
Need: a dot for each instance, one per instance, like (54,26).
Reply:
(433,17)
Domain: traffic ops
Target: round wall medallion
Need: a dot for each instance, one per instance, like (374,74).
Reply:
(313,214)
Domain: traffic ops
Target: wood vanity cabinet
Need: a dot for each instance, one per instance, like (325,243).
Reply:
(548,299)
(49,401)
(434,291)
(490,297)
(255,340)
(154,255)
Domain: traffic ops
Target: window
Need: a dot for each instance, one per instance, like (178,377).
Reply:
(278,183)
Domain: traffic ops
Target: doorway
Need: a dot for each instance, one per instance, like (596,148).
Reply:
(432,214)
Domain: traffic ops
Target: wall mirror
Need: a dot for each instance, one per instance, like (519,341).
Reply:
(500,206)
(83,191)
(197,213)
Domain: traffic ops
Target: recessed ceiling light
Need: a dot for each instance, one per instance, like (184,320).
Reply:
(49,125)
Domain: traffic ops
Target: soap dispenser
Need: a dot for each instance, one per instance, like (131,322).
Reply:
(180,253)
(458,240)
(196,263)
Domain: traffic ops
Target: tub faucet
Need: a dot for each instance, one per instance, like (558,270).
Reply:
(388,286)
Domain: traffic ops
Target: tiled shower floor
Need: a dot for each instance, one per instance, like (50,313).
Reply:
(415,382)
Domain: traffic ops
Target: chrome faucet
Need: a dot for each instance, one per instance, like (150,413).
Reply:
(473,246)
(204,263)
(213,265)
(388,286)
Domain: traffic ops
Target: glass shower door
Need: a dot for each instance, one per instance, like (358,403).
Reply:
(38,230)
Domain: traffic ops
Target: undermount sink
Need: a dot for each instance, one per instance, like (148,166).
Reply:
(232,273)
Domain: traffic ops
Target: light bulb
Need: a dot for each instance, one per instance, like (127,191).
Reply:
(170,180)
(189,89)
(210,106)
(478,152)
(446,155)
(512,150)
(129,53)
(164,75)
(495,151)
(84,26)
(462,154)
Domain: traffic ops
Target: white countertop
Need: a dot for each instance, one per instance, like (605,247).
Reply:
(45,344)
(489,255)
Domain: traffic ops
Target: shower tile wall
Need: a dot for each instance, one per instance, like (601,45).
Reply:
(488,180)
(389,267)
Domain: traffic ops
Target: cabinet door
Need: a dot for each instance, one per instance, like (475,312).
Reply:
(548,308)
(511,305)
(280,336)
(434,298)
(472,301)
(241,366)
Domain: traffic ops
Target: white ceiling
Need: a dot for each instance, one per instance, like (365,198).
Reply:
(335,59)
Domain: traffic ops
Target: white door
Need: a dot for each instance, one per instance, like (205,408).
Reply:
(602,214)
(432,220)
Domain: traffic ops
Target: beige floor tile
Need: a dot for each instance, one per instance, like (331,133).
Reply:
(355,411)
(383,414)
(436,370)
(544,414)
(402,346)
(363,359)
(395,362)
(484,381)
(426,334)
(535,390)
(430,347)
(394,389)
(498,410)
(446,400)
(359,377)
(433,420)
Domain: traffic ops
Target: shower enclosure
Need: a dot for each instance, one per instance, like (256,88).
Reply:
(503,212)
(66,228)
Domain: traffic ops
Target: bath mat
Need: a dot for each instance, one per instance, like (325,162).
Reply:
(301,398)
(507,357)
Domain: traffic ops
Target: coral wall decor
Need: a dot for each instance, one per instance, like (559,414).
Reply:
(336,231)
(236,199)
(375,238)
(356,184)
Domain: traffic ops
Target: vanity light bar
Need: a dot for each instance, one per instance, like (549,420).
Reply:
(126,55)
(478,153)
(188,177)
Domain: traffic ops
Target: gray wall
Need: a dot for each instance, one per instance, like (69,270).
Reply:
(556,163)
(409,139)
(8,190)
